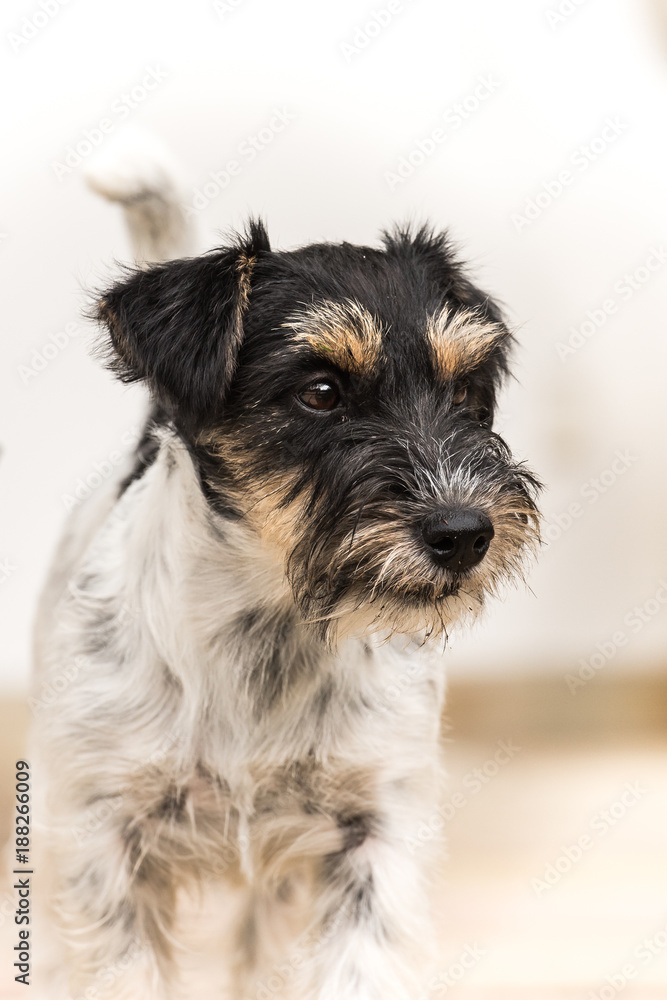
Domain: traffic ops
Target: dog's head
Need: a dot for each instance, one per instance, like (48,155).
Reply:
(339,399)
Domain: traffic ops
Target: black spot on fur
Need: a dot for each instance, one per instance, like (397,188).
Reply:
(213,778)
(101,628)
(269,641)
(285,890)
(215,483)
(356,894)
(360,901)
(248,940)
(355,830)
(131,835)
(147,448)
(324,696)
(172,806)
(248,621)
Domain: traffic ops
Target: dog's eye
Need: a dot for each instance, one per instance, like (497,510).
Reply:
(460,395)
(319,396)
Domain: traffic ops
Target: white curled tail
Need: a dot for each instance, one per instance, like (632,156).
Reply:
(138,171)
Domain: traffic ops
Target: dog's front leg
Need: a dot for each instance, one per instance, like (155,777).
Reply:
(375,922)
(112,904)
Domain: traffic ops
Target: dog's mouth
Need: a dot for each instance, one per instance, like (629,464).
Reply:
(419,608)
(421,593)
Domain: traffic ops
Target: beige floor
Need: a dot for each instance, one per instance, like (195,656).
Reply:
(562,940)
(599,932)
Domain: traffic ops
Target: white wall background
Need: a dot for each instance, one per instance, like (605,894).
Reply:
(557,71)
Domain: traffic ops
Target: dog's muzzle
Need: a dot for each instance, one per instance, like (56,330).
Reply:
(457,539)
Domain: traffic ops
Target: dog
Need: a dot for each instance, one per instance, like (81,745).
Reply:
(257,606)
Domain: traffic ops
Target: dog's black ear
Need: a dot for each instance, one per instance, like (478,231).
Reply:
(179,326)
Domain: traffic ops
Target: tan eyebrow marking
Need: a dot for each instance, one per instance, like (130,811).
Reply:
(343,332)
(460,340)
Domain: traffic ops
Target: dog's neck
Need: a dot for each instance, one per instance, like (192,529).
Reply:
(207,589)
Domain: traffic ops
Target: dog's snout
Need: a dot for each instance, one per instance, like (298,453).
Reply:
(457,539)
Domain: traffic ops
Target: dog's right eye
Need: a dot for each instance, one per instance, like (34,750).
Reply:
(320,395)
(460,394)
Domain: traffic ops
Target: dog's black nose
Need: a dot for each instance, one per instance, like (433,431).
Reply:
(457,539)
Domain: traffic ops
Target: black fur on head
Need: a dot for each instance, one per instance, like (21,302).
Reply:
(338,398)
